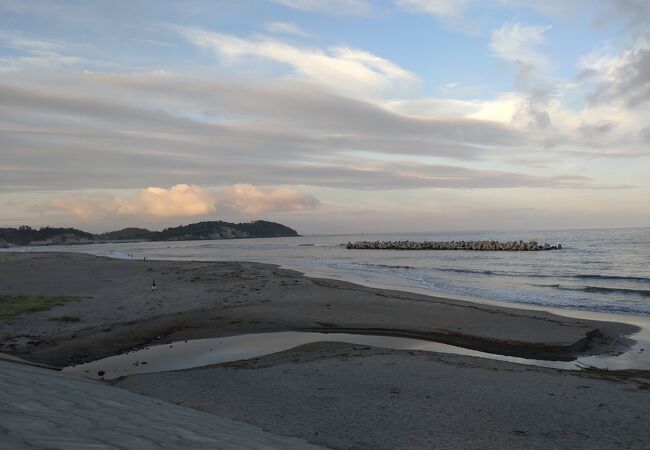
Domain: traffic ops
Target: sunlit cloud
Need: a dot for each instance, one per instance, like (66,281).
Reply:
(183,200)
(248,199)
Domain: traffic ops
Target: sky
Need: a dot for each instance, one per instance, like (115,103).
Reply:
(330,116)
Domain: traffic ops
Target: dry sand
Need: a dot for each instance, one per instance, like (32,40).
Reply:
(347,396)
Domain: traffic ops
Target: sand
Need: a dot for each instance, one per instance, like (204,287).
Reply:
(355,397)
(118,311)
(340,396)
(43,409)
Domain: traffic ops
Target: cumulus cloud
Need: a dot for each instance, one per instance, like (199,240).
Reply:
(184,200)
(177,201)
(342,69)
(248,199)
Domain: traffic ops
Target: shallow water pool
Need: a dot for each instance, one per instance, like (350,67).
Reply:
(202,352)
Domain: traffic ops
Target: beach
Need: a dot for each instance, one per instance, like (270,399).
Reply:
(354,397)
(118,311)
(335,395)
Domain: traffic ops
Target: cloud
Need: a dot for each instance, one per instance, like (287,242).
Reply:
(74,206)
(625,78)
(645,134)
(177,201)
(516,43)
(353,7)
(128,131)
(285,28)
(597,130)
(342,68)
(557,7)
(622,77)
(18,41)
(631,16)
(242,199)
(368,174)
(248,199)
(35,54)
(442,9)
(183,200)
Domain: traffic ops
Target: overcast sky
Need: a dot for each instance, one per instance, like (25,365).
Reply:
(330,116)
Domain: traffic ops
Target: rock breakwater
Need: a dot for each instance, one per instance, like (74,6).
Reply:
(514,246)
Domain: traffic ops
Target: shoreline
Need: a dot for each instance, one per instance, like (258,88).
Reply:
(641,322)
(243,297)
(331,394)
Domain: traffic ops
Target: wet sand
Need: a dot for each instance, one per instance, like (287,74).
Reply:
(118,311)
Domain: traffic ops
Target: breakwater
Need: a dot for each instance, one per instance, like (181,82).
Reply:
(514,246)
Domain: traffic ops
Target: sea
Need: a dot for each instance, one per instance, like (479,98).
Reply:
(598,270)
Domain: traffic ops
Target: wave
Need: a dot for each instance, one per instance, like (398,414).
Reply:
(604,290)
(539,275)
(510,274)
(389,266)
(612,277)
(475,271)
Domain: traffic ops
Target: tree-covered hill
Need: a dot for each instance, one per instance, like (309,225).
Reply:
(25,235)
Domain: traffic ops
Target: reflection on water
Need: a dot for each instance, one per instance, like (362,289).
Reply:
(203,352)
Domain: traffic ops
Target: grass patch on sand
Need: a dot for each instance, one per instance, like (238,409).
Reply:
(14,305)
(66,318)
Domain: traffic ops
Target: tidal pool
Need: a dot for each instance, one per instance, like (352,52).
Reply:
(202,352)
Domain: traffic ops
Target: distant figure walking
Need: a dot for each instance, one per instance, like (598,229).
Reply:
(153,286)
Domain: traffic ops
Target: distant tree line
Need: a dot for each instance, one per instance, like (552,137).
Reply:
(26,235)
(23,235)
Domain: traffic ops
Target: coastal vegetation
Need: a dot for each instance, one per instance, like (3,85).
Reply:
(12,306)
(26,235)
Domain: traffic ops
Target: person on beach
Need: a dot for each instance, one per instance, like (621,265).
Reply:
(153,286)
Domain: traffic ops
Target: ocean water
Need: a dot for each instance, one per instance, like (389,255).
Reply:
(604,270)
